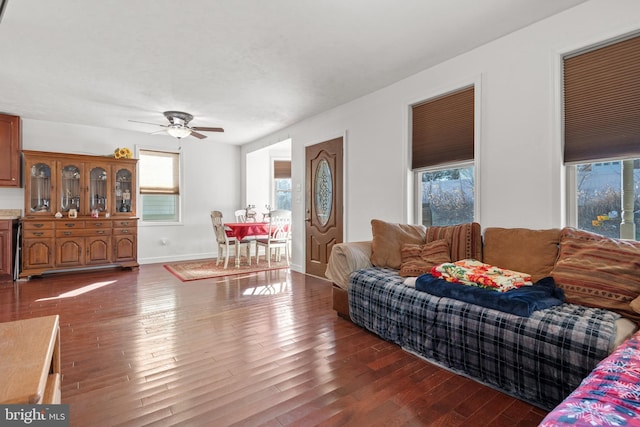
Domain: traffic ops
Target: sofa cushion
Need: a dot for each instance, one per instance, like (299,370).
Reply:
(465,240)
(419,259)
(599,271)
(388,239)
(521,249)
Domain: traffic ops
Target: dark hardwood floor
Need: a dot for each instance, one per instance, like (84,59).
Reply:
(142,348)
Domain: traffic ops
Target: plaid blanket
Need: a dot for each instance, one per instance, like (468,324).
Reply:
(539,359)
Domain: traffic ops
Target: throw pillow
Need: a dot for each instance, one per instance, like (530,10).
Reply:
(521,249)
(419,259)
(388,239)
(599,271)
(465,240)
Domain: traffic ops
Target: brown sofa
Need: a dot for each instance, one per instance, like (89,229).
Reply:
(375,287)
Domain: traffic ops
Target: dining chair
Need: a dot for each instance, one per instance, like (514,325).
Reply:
(241,215)
(225,243)
(251,216)
(279,237)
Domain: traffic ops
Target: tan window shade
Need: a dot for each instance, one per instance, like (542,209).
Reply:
(602,102)
(281,169)
(443,129)
(159,172)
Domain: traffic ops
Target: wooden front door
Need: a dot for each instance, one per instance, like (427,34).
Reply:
(323,210)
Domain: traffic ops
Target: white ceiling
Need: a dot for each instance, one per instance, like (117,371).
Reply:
(250,66)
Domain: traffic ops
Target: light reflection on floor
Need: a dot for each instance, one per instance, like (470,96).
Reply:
(79,291)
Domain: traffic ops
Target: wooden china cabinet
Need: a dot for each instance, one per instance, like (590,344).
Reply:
(95,197)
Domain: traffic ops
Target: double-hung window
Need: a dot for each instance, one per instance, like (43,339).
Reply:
(602,138)
(159,173)
(442,158)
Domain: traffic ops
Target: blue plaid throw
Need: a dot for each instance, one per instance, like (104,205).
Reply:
(539,359)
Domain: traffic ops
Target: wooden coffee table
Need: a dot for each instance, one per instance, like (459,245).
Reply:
(30,361)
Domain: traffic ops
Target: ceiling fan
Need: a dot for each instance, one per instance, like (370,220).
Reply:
(178,126)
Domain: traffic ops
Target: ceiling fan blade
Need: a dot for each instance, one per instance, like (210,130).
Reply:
(147,123)
(197,135)
(205,129)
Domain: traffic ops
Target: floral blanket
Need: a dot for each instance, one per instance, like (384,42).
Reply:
(476,273)
(609,396)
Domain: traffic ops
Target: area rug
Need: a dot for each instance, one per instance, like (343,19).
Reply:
(207,268)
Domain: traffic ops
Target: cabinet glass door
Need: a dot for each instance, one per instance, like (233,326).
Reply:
(70,189)
(40,182)
(98,191)
(124,190)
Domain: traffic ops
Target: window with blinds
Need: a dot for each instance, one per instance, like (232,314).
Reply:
(602,137)
(281,169)
(282,184)
(159,174)
(602,102)
(442,158)
(442,130)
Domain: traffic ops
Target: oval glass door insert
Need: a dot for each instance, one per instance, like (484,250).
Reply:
(324,192)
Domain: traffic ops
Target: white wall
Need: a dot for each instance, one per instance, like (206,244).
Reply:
(519,149)
(519,156)
(258,179)
(210,180)
(259,176)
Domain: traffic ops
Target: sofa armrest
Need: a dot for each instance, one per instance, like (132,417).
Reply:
(346,258)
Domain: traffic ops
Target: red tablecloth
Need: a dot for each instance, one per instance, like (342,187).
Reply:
(240,230)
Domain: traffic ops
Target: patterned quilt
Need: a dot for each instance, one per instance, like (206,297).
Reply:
(609,396)
(539,359)
(475,273)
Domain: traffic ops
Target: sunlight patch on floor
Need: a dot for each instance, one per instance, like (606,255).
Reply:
(269,289)
(80,291)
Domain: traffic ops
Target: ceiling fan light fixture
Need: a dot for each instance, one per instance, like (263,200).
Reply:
(178,126)
(179,131)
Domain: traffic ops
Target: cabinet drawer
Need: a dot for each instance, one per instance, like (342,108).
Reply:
(38,225)
(125,231)
(34,234)
(5,225)
(98,224)
(69,225)
(125,223)
(83,232)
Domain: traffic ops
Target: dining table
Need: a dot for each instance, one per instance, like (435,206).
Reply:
(240,230)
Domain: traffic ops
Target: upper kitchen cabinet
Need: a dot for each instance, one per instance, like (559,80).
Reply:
(9,151)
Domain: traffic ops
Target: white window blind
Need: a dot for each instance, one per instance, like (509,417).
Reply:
(159,172)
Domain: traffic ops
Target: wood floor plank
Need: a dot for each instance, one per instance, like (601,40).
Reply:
(142,348)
